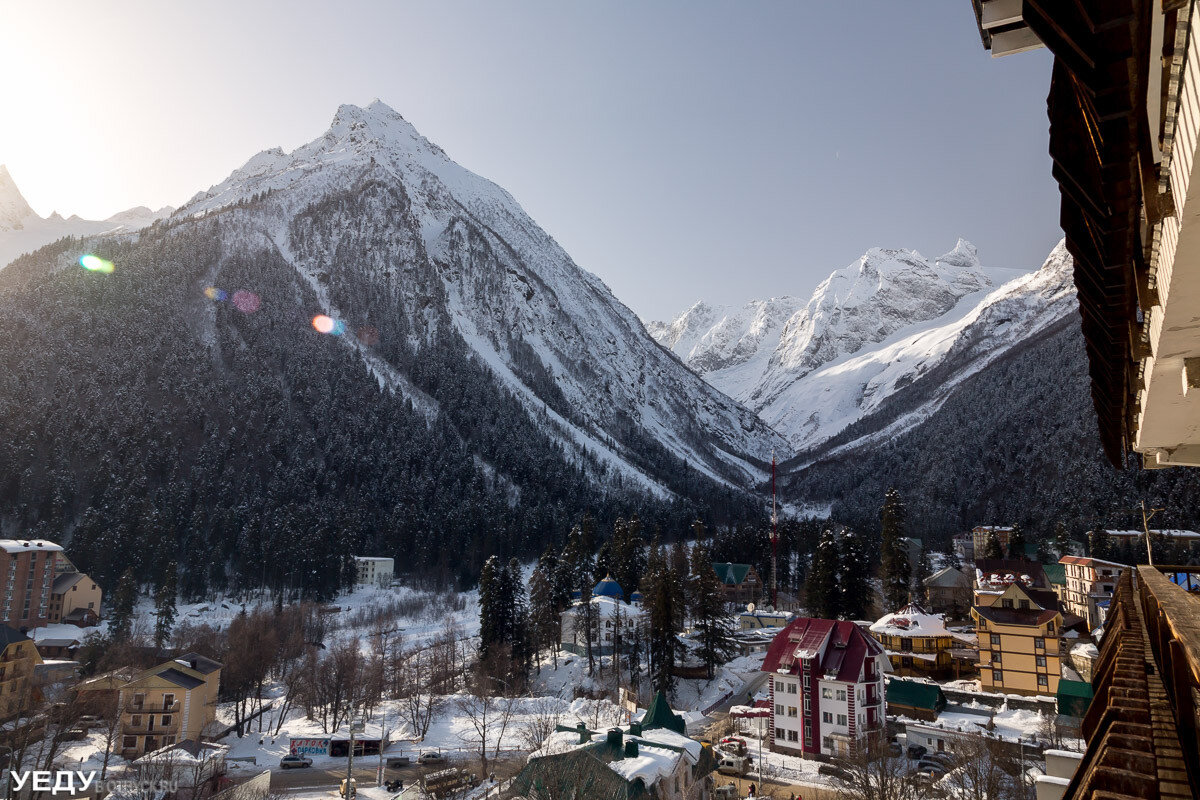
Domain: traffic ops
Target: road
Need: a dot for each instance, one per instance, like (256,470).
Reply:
(778,791)
(331,778)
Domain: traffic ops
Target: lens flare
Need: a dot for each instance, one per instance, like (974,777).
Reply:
(246,301)
(213,293)
(95,264)
(324,324)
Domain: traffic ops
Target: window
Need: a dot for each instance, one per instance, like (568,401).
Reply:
(1050,627)
(1006,602)
(779,711)
(807,705)
(995,640)
(827,743)
(827,717)
(791,688)
(793,736)
(806,680)
(841,719)
(997,676)
(1024,605)
(827,693)
(779,686)
(166,719)
(136,721)
(906,661)
(791,711)
(841,695)
(1041,661)
(129,741)
(1039,643)
(1043,680)
(996,656)
(780,734)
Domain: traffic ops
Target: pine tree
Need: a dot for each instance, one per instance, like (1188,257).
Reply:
(991,545)
(713,625)
(490,624)
(663,644)
(544,620)
(895,569)
(1016,542)
(822,590)
(1062,541)
(518,624)
(1098,545)
(164,603)
(679,570)
(124,600)
(921,574)
(855,571)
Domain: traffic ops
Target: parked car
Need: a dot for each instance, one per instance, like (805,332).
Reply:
(431,757)
(290,761)
(931,769)
(399,762)
(727,792)
(731,764)
(945,759)
(895,750)
(834,771)
(733,744)
(915,751)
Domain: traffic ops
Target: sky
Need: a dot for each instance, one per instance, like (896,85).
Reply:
(679,149)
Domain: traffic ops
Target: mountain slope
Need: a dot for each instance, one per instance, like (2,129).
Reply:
(483,392)
(867,332)
(23,231)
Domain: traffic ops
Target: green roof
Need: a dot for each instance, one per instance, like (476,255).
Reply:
(1074,697)
(732,574)
(1055,573)
(660,715)
(915,695)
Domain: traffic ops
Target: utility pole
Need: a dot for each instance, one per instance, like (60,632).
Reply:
(774,541)
(1146,529)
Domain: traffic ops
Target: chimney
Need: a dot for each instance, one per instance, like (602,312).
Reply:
(585,735)
(615,738)
(635,729)
(631,749)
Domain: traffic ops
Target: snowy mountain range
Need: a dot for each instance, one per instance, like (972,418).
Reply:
(22,230)
(429,242)
(812,369)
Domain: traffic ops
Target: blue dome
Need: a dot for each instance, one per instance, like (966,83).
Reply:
(608,588)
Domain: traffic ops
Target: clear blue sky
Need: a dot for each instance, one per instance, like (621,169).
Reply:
(680,150)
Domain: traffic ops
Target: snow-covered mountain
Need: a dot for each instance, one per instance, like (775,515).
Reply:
(22,230)
(813,369)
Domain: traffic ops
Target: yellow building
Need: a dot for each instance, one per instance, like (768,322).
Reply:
(16,672)
(917,642)
(74,598)
(1018,641)
(170,703)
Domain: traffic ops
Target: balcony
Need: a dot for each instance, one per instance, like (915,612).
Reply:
(153,708)
(145,727)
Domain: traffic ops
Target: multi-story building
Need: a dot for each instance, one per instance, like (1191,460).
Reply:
(1019,649)
(172,702)
(26,573)
(964,547)
(18,658)
(949,591)
(740,582)
(826,686)
(917,642)
(979,537)
(374,571)
(1090,581)
(1188,541)
(75,599)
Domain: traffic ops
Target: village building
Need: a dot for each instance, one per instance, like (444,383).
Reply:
(1018,626)
(964,547)
(373,570)
(1186,541)
(758,618)
(949,591)
(917,643)
(161,706)
(740,582)
(1056,575)
(914,699)
(826,687)
(1090,583)
(653,758)
(612,618)
(27,571)
(18,660)
(75,600)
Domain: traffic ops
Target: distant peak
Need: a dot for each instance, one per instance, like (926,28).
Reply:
(13,208)
(964,254)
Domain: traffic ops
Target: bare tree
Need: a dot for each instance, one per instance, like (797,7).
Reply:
(542,722)
(871,774)
(487,712)
(419,704)
(982,771)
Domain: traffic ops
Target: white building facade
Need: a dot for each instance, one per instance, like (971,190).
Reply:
(374,571)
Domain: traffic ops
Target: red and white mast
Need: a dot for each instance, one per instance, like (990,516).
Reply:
(774,539)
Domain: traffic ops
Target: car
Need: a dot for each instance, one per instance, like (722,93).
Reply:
(431,757)
(292,760)
(944,759)
(734,745)
(915,751)
(895,750)
(930,770)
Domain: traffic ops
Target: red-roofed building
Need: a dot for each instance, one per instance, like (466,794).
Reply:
(826,684)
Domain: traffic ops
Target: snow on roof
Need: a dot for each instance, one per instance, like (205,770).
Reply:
(670,737)
(912,620)
(1173,533)
(26,545)
(606,607)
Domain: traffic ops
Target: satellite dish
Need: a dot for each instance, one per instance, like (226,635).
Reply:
(750,608)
